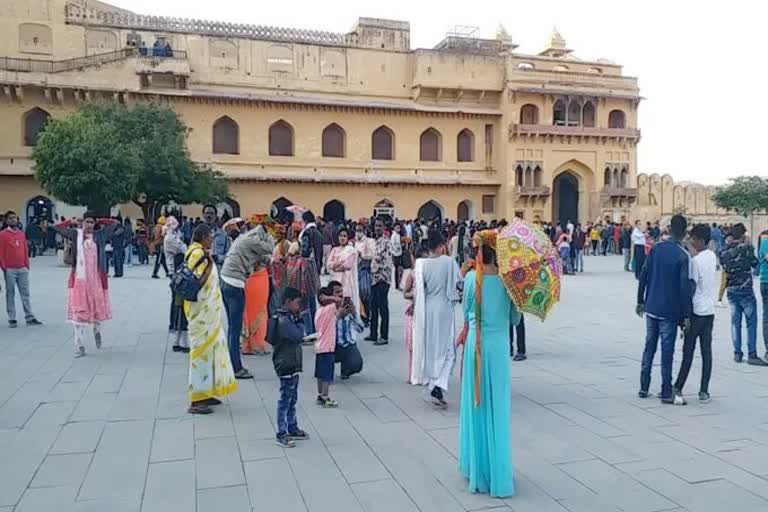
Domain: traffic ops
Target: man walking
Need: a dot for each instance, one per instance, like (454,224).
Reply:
(664,296)
(738,259)
(311,241)
(704,276)
(381,271)
(626,246)
(638,248)
(14,262)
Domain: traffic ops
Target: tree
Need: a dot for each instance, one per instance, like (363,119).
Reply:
(81,160)
(167,173)
(117,154)
(745,195)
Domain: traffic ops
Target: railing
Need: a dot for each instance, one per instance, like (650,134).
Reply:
(575,77)
(524,129)
(58,66)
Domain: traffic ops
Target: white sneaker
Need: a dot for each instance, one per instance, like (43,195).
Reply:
(679,400)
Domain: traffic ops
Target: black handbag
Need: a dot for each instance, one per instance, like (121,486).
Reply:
(185,283)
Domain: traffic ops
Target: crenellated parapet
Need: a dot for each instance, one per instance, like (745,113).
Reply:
(82,15)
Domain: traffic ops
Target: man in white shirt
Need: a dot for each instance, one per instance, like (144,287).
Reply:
(638,248)
(704,275)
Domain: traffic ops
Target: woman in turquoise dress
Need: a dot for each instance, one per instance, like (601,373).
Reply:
(485,452)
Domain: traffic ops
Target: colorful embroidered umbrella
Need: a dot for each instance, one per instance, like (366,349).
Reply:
(530,268)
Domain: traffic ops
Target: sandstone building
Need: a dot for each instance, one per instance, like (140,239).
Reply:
(346,124)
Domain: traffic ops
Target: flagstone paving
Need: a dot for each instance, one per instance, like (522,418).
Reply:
(110,431)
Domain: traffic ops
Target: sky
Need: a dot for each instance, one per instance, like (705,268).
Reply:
(700,65)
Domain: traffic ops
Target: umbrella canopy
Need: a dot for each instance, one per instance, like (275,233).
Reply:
(232,223)
(530,268)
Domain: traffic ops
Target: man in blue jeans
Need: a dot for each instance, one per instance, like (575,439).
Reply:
(249,251)
(664,295)
(738,260)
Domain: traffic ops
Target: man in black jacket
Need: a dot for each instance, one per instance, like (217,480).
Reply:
(286,335)
(311,241)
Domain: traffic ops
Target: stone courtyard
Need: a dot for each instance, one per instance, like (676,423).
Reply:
(110,431)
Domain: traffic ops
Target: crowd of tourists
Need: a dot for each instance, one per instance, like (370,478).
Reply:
(266,277)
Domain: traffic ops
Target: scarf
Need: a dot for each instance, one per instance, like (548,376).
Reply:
(481,238)
(80,264)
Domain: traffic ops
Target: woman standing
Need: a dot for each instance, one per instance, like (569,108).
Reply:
(252,340)
(174,248)
(342,263)
(485,453)
(210,368)
(88,302)
(277,271)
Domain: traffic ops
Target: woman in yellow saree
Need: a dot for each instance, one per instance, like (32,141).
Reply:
(210,369)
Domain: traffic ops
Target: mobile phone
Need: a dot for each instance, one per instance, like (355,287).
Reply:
(347,302)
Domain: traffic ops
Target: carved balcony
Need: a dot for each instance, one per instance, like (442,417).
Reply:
(532,192)
(517,130)
(175,65)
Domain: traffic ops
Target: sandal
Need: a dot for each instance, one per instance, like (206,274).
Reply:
(199,408)
(210,401)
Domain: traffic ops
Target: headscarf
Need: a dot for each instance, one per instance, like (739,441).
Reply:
(480,239)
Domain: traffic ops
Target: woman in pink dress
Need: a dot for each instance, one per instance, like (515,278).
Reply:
(88,303)
(342,263)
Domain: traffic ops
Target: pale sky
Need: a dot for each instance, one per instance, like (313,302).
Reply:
(701,68)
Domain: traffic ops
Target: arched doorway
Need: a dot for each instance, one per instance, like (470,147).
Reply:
(464,211)
(39,208)
(228,209)
(278,210)
(384,208)
(565,199)
(431,211)
(334,211)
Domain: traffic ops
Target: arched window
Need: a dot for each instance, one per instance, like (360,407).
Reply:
(529,114)
(558,116)
(34,122)
(429,146)
(537,176)
(334,211)
(465,146)
(528,179)
(431,210)
(519,176)
(615,178)
(588,115)
(464,210)
(383,144)
(607,177)
(281,139)
(623,177)
(574,113)
(616,119)
(334,141)
(226,136)
(279,209)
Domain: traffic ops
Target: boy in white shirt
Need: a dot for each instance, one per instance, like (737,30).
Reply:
(704,275)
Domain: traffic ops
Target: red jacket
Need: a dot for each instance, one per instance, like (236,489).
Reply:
(14,253)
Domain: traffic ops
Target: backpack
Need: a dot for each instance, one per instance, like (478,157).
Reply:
(273,330)
(185,283)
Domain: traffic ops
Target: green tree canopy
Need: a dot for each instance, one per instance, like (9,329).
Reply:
(744,195)
(82,161)
(161,169)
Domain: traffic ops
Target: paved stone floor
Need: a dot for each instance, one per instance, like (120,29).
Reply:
(110,431)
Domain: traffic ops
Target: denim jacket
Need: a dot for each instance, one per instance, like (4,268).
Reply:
(221,243)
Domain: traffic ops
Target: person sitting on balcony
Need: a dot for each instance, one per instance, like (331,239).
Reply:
(168,51)
(158,50)
(143,49)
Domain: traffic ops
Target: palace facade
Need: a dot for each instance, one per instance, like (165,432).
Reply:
(343,123)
